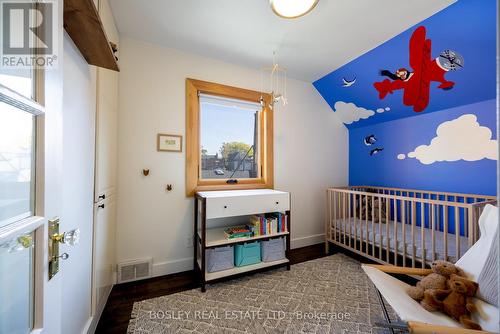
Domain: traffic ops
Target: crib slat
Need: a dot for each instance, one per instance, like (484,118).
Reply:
(445,231)
(373,225)
(395,232)
(360,223)
(403,221)
(380,228)
(366,224)
(413,223)
(433,230)
(349,217)
(342,212)
(457,233)
(471,231)
(387,222)
(422,234)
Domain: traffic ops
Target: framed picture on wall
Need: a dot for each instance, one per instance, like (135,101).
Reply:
(169,143)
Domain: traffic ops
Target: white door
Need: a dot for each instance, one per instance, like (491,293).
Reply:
(79,105)
(105,173)
(31,162)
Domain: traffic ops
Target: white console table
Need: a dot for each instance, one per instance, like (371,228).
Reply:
(213,205)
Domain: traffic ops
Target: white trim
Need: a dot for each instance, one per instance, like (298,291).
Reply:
(172,267)
(93,321)
(307,241)
(20,227)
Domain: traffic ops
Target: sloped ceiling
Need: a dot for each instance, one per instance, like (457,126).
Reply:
(467,27)
(246,32)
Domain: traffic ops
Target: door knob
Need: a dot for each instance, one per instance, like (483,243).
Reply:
(71,238)
(19,243)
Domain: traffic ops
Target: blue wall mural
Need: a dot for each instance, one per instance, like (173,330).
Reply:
(421,108)
(450,58)
(403,136)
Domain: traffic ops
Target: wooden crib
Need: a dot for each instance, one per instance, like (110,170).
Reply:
(404,227)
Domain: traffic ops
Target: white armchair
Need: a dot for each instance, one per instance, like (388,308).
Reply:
(416,318)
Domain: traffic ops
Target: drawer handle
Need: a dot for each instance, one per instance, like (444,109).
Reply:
(277,202)
(225,206)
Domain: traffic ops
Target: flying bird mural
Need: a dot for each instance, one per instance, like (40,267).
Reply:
(416,82)
(347,83)
(370,140)
(376,151)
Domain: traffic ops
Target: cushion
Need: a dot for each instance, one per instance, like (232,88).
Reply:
(488,278)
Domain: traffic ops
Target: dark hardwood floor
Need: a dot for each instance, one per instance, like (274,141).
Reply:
(116,314)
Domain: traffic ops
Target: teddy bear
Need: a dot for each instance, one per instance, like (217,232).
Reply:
(457,302)
(437,280)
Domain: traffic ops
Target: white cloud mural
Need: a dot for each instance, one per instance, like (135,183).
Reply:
(350,113)
(460,139)
(381,110)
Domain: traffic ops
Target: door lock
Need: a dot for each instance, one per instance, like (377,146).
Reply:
(55,238)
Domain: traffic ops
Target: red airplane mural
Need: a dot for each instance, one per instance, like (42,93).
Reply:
(416,84)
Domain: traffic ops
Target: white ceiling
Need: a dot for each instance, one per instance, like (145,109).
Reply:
(246,32)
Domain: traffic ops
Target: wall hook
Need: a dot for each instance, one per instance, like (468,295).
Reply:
(169,187)
(145,172)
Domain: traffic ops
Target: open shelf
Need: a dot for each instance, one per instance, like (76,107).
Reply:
(84,26)
(217,210)
(215,237)
(240,270)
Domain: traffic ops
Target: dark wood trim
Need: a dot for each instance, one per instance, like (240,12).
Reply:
(203,244)
(84,26)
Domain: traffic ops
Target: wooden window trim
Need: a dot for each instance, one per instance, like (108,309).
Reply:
(266,135)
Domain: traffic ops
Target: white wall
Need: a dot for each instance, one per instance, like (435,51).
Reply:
(79,89)
(311,153)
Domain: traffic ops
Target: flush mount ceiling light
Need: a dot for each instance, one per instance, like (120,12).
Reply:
(291,9)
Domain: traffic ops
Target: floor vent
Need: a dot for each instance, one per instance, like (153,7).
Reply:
(134,270)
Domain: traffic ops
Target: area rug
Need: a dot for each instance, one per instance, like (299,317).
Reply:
(326,295)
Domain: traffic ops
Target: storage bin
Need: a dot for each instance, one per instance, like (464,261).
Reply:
(247,253)
(219,258)
(273,249)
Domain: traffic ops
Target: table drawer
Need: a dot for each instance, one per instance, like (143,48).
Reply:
(247,205)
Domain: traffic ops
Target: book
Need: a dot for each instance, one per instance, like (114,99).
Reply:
(267,224)
(255,225)
(237,232)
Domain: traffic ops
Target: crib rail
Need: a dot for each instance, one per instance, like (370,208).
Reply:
(403,226)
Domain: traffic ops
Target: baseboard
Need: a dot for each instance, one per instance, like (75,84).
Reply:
(92,325)
(307,241)
(172,267)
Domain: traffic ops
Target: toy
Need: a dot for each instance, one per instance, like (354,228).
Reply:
(458,303)
(437,280)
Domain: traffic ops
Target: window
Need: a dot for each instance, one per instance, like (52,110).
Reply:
(20,91)
(19,80)
(17,160)
(228,139)
(17,286)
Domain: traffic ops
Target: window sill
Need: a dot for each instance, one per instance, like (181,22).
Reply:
(237,186)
